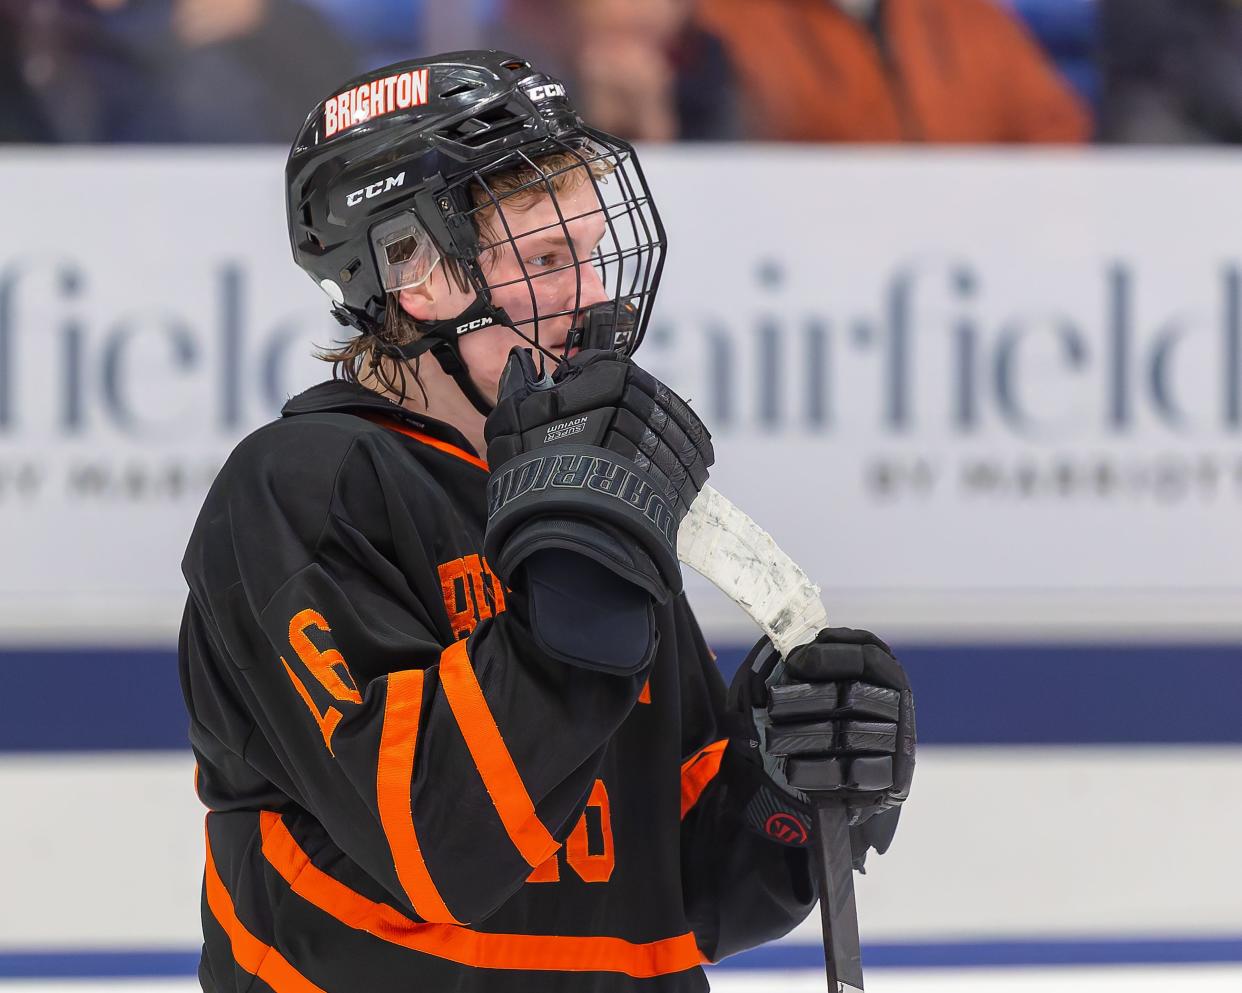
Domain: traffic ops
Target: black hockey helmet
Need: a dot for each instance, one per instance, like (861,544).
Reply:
(387,176)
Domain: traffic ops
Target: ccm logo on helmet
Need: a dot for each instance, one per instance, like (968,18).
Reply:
(374,99)
(375,189)
(545,91)
(474,325)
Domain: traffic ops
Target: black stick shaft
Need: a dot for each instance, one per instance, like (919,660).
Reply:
(837,906)
(825,916)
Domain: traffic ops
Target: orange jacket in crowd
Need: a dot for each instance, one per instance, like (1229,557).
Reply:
(954,71)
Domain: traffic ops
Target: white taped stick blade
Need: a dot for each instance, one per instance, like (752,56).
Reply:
(726,547)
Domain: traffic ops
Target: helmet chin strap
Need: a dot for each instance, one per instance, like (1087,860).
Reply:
(599,326)
(440,339)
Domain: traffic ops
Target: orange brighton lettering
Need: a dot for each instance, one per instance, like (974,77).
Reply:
(471,593)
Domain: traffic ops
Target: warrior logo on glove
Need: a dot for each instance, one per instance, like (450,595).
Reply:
(600,457)
(836,717)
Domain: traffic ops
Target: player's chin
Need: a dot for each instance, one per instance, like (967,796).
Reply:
(554,343)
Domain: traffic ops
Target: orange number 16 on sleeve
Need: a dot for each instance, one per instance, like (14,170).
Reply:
(328,667)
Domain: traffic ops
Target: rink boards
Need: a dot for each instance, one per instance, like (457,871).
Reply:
(1110,842)
(991,402)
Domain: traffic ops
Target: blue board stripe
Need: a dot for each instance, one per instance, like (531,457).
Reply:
(1003,954)
(134,963)
(110,699)
(1072,694)
(996,694)
(120,964)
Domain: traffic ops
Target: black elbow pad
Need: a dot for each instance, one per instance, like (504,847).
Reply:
(583,613)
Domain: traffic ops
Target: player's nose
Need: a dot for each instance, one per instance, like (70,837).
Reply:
(591,290)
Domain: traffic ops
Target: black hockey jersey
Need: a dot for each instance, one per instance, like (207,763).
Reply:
(403,794)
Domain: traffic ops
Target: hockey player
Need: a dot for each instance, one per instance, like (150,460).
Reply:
(456,727)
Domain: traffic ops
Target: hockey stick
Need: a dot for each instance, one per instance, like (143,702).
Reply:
(722,544)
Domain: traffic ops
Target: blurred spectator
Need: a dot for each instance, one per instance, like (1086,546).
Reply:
(23,118)
(655,70)
(55,61)
(892,70)
(1172,70)
(248,70)
(640,69)
(1068,31)
(185,70)
(382,31)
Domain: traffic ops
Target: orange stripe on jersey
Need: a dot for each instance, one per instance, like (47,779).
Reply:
(549,953)
(251,954)
(492,758)
(699,770)
(398,741)
(426,439)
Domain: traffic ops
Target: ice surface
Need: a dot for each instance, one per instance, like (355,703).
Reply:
(1181,979)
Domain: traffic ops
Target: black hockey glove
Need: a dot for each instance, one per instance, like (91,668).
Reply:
(603,460)
(835,719)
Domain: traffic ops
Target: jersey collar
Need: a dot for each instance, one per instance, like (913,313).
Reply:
(339,396)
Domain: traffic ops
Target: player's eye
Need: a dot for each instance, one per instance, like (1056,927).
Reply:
(542,261)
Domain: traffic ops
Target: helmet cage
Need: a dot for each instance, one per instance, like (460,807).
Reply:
(628,259)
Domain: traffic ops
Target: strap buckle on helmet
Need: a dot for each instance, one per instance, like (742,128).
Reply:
(606,325)
(347,318)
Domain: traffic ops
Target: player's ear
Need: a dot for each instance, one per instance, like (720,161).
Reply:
(419,301)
